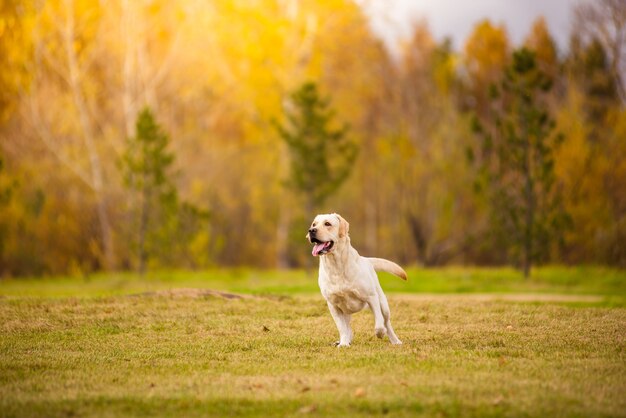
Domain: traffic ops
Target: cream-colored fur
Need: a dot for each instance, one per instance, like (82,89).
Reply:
(348,281)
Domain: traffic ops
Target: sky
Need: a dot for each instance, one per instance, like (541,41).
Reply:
(392,19)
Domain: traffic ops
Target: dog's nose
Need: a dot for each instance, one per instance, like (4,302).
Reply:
(312,231)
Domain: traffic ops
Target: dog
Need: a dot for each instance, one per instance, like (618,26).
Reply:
(348,281)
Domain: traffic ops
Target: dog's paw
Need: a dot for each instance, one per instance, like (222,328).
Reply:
(396,342)
(380,332)
(340,344)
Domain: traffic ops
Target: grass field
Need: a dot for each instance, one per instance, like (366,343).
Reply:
(609,283)
(165,345)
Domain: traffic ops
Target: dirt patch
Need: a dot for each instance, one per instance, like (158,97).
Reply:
(507,297)
(189,293)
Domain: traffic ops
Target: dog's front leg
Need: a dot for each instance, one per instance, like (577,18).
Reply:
(342,321)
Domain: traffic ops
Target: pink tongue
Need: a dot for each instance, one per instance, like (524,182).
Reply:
(319,247)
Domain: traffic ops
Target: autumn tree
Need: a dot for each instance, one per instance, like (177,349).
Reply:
(75,75)
(541,42)
(519,166)
(592,163)
(589,69)
(63,95)
(146,166)
(604,21)
(421,188)
(12,34)
(14,50)
(321,155)
(485,55)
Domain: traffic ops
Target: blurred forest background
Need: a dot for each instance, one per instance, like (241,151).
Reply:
(156,134)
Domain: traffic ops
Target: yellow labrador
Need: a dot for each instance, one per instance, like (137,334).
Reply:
(348,281)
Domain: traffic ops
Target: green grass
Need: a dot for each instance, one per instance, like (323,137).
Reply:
(609,283)
(193,354)
(120,346)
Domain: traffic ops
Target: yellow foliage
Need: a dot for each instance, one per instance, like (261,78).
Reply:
(217,73)
(580,169)
(486,52)
(542,44)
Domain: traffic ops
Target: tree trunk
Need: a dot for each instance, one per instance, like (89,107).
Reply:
(418,233)
(528,233)
(309,214)
(284,214)
(530,208)
(95,165)
(282,236)
(143,226)
(371,225)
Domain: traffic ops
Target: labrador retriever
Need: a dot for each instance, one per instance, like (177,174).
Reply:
(348,281)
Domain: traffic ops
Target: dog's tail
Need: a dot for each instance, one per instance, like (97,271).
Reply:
(380,264)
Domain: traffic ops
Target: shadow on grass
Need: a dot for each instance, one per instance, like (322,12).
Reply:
(190,407)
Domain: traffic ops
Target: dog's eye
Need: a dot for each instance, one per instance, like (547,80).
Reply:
(327,223)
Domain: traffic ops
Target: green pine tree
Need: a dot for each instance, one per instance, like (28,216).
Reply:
(146,165)
(517,163)
(321,156)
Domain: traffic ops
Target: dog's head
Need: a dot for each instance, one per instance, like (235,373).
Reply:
(326,232)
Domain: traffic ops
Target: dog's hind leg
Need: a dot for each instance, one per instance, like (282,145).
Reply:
(342,320)
(384,307)
(379,320)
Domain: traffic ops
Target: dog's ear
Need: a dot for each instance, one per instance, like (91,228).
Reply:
(344,226)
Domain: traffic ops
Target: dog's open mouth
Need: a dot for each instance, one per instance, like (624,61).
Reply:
(321,248)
